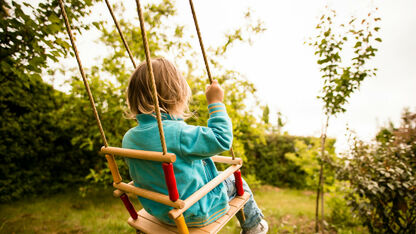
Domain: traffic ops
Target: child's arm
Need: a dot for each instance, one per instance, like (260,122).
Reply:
(217,137)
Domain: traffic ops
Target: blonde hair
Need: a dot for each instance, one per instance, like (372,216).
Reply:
(172,89)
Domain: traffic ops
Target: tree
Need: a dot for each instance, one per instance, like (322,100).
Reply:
(305,156)
(33,143)
(280,122)
(266,113)
(341,79)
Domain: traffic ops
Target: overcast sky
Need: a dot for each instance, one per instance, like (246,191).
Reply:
(285,72)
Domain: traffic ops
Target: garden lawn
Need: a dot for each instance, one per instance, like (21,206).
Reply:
(286,210)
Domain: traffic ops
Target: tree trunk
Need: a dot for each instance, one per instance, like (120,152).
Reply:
(322,181)
(318,192)
(320,189)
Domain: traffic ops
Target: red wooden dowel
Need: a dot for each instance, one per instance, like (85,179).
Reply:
(170,181)
(129,206)
(238,183)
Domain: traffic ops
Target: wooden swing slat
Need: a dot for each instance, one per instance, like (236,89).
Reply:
(235,206)
(118,192)
(228,160)
(173,214)
(149,224)
(140,154)
(154,196)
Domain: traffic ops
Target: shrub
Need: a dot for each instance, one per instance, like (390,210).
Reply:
(341,215)
(36,154)
(382,179)
(291,161)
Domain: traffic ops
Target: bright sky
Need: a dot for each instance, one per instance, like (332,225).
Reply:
(285,72)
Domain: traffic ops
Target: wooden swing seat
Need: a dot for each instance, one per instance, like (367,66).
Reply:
(149,224)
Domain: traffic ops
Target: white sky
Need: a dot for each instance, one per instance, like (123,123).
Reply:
(284,70)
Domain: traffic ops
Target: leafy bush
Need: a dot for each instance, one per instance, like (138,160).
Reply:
(341,215)
(252,181)
(36,152)
(291,161)
(35,148)
(382,179)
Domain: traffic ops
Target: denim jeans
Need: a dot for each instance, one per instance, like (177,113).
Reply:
(252,212)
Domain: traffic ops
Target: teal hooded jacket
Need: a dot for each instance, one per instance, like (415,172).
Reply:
(193,147)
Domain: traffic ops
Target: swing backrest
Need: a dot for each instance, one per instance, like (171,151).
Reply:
(180,205)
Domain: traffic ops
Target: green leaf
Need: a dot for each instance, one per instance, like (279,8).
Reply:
(53,28)
(54,19)
(390,186)
(96,24)
(326,34)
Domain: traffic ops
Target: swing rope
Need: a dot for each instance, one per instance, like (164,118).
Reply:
(121,33)
(150,68)
(201,44)
(81,69)
(151,75)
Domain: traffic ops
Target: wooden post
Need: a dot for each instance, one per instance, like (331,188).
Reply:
(180,223)
(113,168)
(154,196)
(170,181)
(242,214)
(238,183)
(129,206)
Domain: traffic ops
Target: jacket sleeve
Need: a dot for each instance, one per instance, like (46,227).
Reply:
(211,140)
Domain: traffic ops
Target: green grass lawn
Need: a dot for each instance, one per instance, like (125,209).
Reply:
(286,210)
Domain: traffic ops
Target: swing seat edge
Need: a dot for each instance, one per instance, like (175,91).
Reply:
(149,224)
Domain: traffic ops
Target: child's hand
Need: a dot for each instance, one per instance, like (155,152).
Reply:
(214,93)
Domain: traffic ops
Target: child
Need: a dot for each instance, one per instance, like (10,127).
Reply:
(192,145)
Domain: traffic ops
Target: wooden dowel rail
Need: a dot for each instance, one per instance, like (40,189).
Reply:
(175,213)
(118,192)
(227,160)
(154,196)
(140,154)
